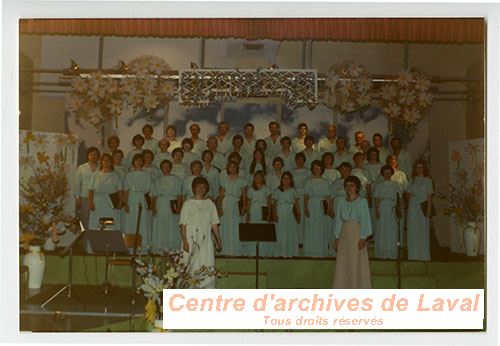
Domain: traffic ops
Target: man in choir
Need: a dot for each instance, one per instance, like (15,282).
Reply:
(403,157)
(274,140)
(359,137)
(342,155)
(113,143)
(82,184)
(378,144)
(198,143)
(298,143)
(327,144)
(225,140)
(150,142)
(171,135)
(249,138)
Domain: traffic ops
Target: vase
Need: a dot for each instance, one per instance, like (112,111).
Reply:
(471,239)
(49,245)
(35,261)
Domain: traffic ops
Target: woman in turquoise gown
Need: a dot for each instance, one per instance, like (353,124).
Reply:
(352,227)
(137,142)
(420,190)
(232,190)
(258,163)
(137,183)
(162,152)
(316,217)
(102,184)
(259,196)
(285,199)
(149,167)
(178,168)
(399,177)
(166,232)
(373,166)
(286,153)
(337,190)
(310,153)
(273,178)
(188,154)
(122,171)
(331,174)
(211,173)
(386,199)
(300,176)
(187,190)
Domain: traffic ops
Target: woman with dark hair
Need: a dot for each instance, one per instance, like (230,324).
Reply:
(171,136)
(420,190)
(113,143)
(232,196)
(187,191)
(166,193)
(137,189)
(273,178)
(300,175)
(309,151)
(83,175)
(316,208)
(117,156)
(258,163)
(149,158)
(285,200)
(298,142)
(162,152)
(259,199)
(373,166)
(352,227)
(286,154)
(187,150)
(103,183)
(331,173)
(178,168)
(238,147)
(150,142)
(387,195)
(200,230)
(137,143)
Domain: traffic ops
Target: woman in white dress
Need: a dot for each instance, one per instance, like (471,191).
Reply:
(199,231)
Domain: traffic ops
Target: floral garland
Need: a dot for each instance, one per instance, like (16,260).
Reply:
(349,88)
(99,98)
(409,99)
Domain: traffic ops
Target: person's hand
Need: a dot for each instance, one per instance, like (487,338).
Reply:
(154,211)
(127,209)
(185,247)
(91,205)
(218,245)
(78,203)
(377,214)
(306,212)
(361,244)
(336,244)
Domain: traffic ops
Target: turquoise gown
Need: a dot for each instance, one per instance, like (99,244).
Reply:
(355,210)
(273,181)
(166,231)
(316,225)
(219,161)
(374,169)
(331,174)
(364,177)
(300,176)
(154,171)
(336,190)
(418,223)
(286,227)
(103,184)
(288,160)
(180,170)
(249,175)
(345,157)
(310,157)
(386,236)
(213,180)
(189,157)
(230,220)
(258,199)
(161,157)
(151,144)
(130,156)
(138,183)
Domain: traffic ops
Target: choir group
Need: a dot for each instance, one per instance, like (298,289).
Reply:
(298,184)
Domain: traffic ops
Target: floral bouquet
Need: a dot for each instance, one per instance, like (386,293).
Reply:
(169,271)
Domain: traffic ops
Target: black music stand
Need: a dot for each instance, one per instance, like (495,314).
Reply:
(105,242)
(69,285)
(257,232)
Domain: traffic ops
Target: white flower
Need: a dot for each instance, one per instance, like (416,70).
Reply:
(94,116)
(158,66)
(134,97)
(150,101)
(354,69)
(411,115)
(406,97)
(405,77)
(392,110)
(422,83)
(424,100)
(75,103)
(96,93)
(389,92)
(167,89)
(140,68)
(364,99)
(148,84)
(115,106)
(79,85)
(128,84)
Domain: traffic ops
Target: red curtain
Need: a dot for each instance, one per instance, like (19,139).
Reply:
(429,30)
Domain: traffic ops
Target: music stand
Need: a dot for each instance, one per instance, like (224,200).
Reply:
(106,242)
(257,232)
(69,249)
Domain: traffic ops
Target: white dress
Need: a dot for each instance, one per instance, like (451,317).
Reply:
(198,215)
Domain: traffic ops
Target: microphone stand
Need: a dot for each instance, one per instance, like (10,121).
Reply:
(133,265)
(398,254)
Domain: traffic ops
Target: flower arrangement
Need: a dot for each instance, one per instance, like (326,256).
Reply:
(466,194)
(409,99)
(43,194)
(171,271)
(349,88)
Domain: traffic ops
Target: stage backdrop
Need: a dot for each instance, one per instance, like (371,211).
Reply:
(260,113)
(466,156)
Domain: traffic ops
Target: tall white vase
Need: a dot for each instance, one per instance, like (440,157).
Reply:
(471,239)
(35,261)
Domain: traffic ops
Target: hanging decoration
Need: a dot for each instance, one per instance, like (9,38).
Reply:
(199,87)
(349,88)
(408,100)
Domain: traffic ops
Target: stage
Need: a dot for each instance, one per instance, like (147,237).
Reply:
(111,313)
